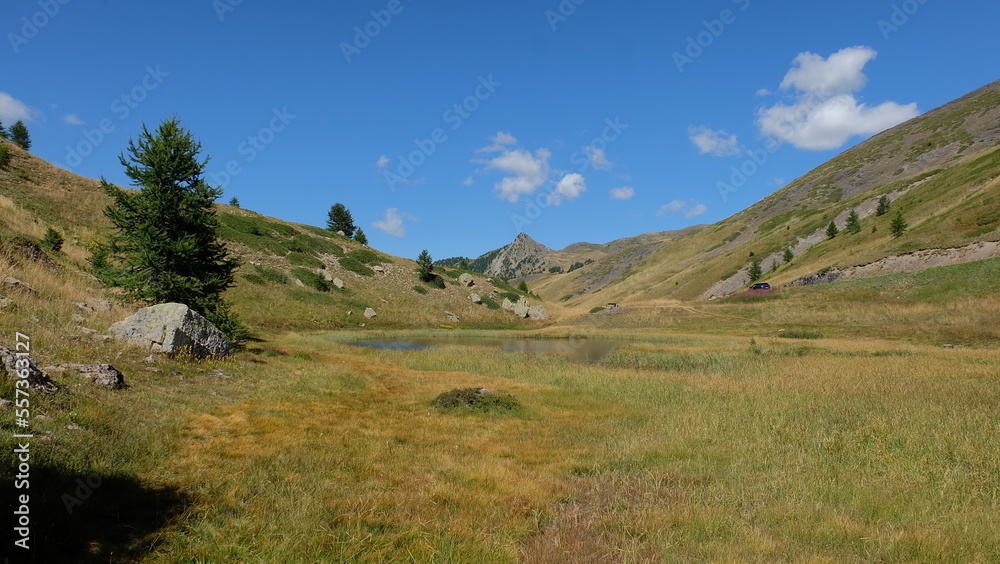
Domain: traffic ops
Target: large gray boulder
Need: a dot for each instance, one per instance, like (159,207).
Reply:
(521,309)
(507,304)
(171,328)
(36,377)
(476,298)
(370,313)
(538,312)
(466,279)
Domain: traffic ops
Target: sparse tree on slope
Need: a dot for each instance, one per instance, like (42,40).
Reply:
(831,230)
(340,220)
(3,132)
(360,237)
(165,247)
(235,202)
(853,223)
(789,255)
(755,271)
(898,225)
(883,206)
(19,135)
(425,266)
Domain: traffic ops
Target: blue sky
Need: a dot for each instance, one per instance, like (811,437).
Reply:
(452,126)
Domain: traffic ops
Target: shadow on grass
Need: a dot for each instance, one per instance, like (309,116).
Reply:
(80,518)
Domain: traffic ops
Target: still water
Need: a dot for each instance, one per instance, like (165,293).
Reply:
(577,350)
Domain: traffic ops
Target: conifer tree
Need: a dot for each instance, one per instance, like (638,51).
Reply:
(165,247)
(19,135)
(898,225)
(831,230)
(360,237)
(883,206)
(853,223)
(340,220)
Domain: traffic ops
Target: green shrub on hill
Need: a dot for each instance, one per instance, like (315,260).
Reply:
(302,259)
(311,279)
(355,266)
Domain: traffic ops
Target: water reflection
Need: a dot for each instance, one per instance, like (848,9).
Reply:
(577,350)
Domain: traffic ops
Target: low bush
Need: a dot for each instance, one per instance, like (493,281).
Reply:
(477,400)
(490,303)
(311,279)
(352,264)
(596,309)
(420,289)
(302,259)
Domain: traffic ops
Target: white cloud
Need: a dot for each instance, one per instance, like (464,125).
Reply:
(500,142)
(598,158)
(468,181)
(383,161)
(392,224)
(826,113)
(72,119)
(672,207)
(570,187)
(695,210)
(763,92)
(623,193)
(528,172)
(839,74)
(12,109)
(677,206)
(502,138)
(716,143)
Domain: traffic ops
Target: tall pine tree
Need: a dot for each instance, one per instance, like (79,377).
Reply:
(339,219)
(165,247)
(19,135)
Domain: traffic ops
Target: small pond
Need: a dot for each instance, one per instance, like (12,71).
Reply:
(577,350)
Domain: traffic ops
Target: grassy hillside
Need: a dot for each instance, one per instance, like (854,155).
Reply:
(940,169)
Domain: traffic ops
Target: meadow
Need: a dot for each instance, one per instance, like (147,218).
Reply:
(721,444)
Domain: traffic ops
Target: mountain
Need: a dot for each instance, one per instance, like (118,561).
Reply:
(939,169)
(527,259)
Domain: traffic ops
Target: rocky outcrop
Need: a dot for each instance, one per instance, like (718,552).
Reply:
(452,317)
(370,313)
(538,312)
(13,366)
(101,374)
(476,298)
(338,283)
(172,328)
(467,280)
(521,308)
(16,284)
(507,304)
(908,262)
